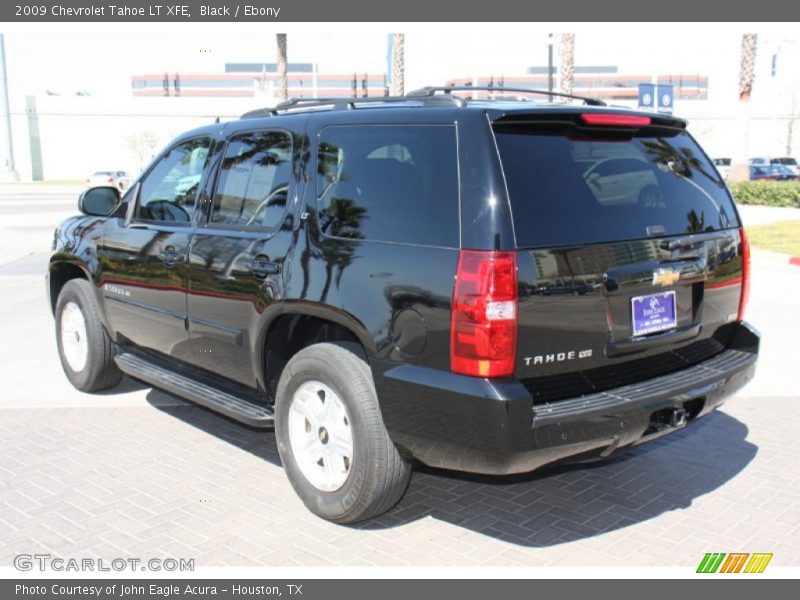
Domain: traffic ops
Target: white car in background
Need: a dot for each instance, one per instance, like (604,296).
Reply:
(623,180)
(723,166)
(120,179)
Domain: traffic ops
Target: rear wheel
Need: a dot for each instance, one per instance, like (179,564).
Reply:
(85,349)
(331,437)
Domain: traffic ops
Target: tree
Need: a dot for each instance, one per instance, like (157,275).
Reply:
(567,62)
(142,146)
(282,66)
(739,169)
(398,64)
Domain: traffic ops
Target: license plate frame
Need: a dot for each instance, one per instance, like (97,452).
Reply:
(653,313)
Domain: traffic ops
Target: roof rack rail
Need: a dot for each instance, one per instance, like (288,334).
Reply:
(296,103)
(345,103)
(430,91)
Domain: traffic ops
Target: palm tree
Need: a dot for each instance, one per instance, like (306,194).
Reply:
(567,62)
(747,69)
(794,115)
(284,82)
(398,64)
(697,223)
(739,170)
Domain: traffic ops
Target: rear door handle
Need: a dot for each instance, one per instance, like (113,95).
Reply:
(263,267)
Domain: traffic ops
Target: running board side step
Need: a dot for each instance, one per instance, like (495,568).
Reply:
(200,393)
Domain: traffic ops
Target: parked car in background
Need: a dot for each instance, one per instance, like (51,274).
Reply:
(723,166)
(772,173)
(787,161)
(759,161)
(119,179)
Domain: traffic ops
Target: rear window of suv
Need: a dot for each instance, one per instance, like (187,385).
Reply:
(568,189)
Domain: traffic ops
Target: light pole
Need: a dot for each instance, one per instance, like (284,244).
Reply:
(7,167)
(550,62)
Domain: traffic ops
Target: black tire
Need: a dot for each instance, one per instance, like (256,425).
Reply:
(100,372)
(378,476)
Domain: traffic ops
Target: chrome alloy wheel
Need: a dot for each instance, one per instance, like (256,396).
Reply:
(74,341)
(321,436)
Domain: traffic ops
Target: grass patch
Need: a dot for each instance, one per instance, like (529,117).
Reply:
(783,236)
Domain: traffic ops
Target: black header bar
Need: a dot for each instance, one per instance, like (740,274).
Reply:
(132,11)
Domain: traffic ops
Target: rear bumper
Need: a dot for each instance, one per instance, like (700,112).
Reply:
(491,426)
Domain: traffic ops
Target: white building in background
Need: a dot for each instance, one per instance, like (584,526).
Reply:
(91,122)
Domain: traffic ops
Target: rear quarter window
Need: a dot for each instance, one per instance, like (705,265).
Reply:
(572,190)
(389,183)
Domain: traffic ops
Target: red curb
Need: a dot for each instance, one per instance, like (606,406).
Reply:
(794,260)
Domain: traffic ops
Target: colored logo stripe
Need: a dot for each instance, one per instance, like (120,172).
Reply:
(734,562)
(758,563)
(713,562)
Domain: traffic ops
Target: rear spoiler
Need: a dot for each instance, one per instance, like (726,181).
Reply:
(579,116)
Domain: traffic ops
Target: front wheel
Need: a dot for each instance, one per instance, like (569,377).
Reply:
(331,438)
(84,347)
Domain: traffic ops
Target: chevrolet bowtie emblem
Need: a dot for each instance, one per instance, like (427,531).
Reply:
(665,277)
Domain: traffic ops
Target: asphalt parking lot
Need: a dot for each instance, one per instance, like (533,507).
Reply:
(137,472)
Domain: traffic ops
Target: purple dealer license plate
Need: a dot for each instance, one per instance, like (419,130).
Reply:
(652,313)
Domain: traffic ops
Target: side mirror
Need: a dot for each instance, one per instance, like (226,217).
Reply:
(99,201)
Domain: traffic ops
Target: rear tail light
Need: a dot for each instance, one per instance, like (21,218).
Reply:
(110,180)
(745,273)
(611,120)
(483,323)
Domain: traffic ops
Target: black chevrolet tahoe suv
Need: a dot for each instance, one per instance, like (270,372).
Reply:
(471,284)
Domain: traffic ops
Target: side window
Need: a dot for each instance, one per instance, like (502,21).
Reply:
(389,183)
(253,185)
(169,191)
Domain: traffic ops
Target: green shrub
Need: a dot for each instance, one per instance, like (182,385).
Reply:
(767,193)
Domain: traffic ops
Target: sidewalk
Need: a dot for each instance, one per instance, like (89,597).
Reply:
(40,189)
(30,212)
(759,215)
(774,257)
